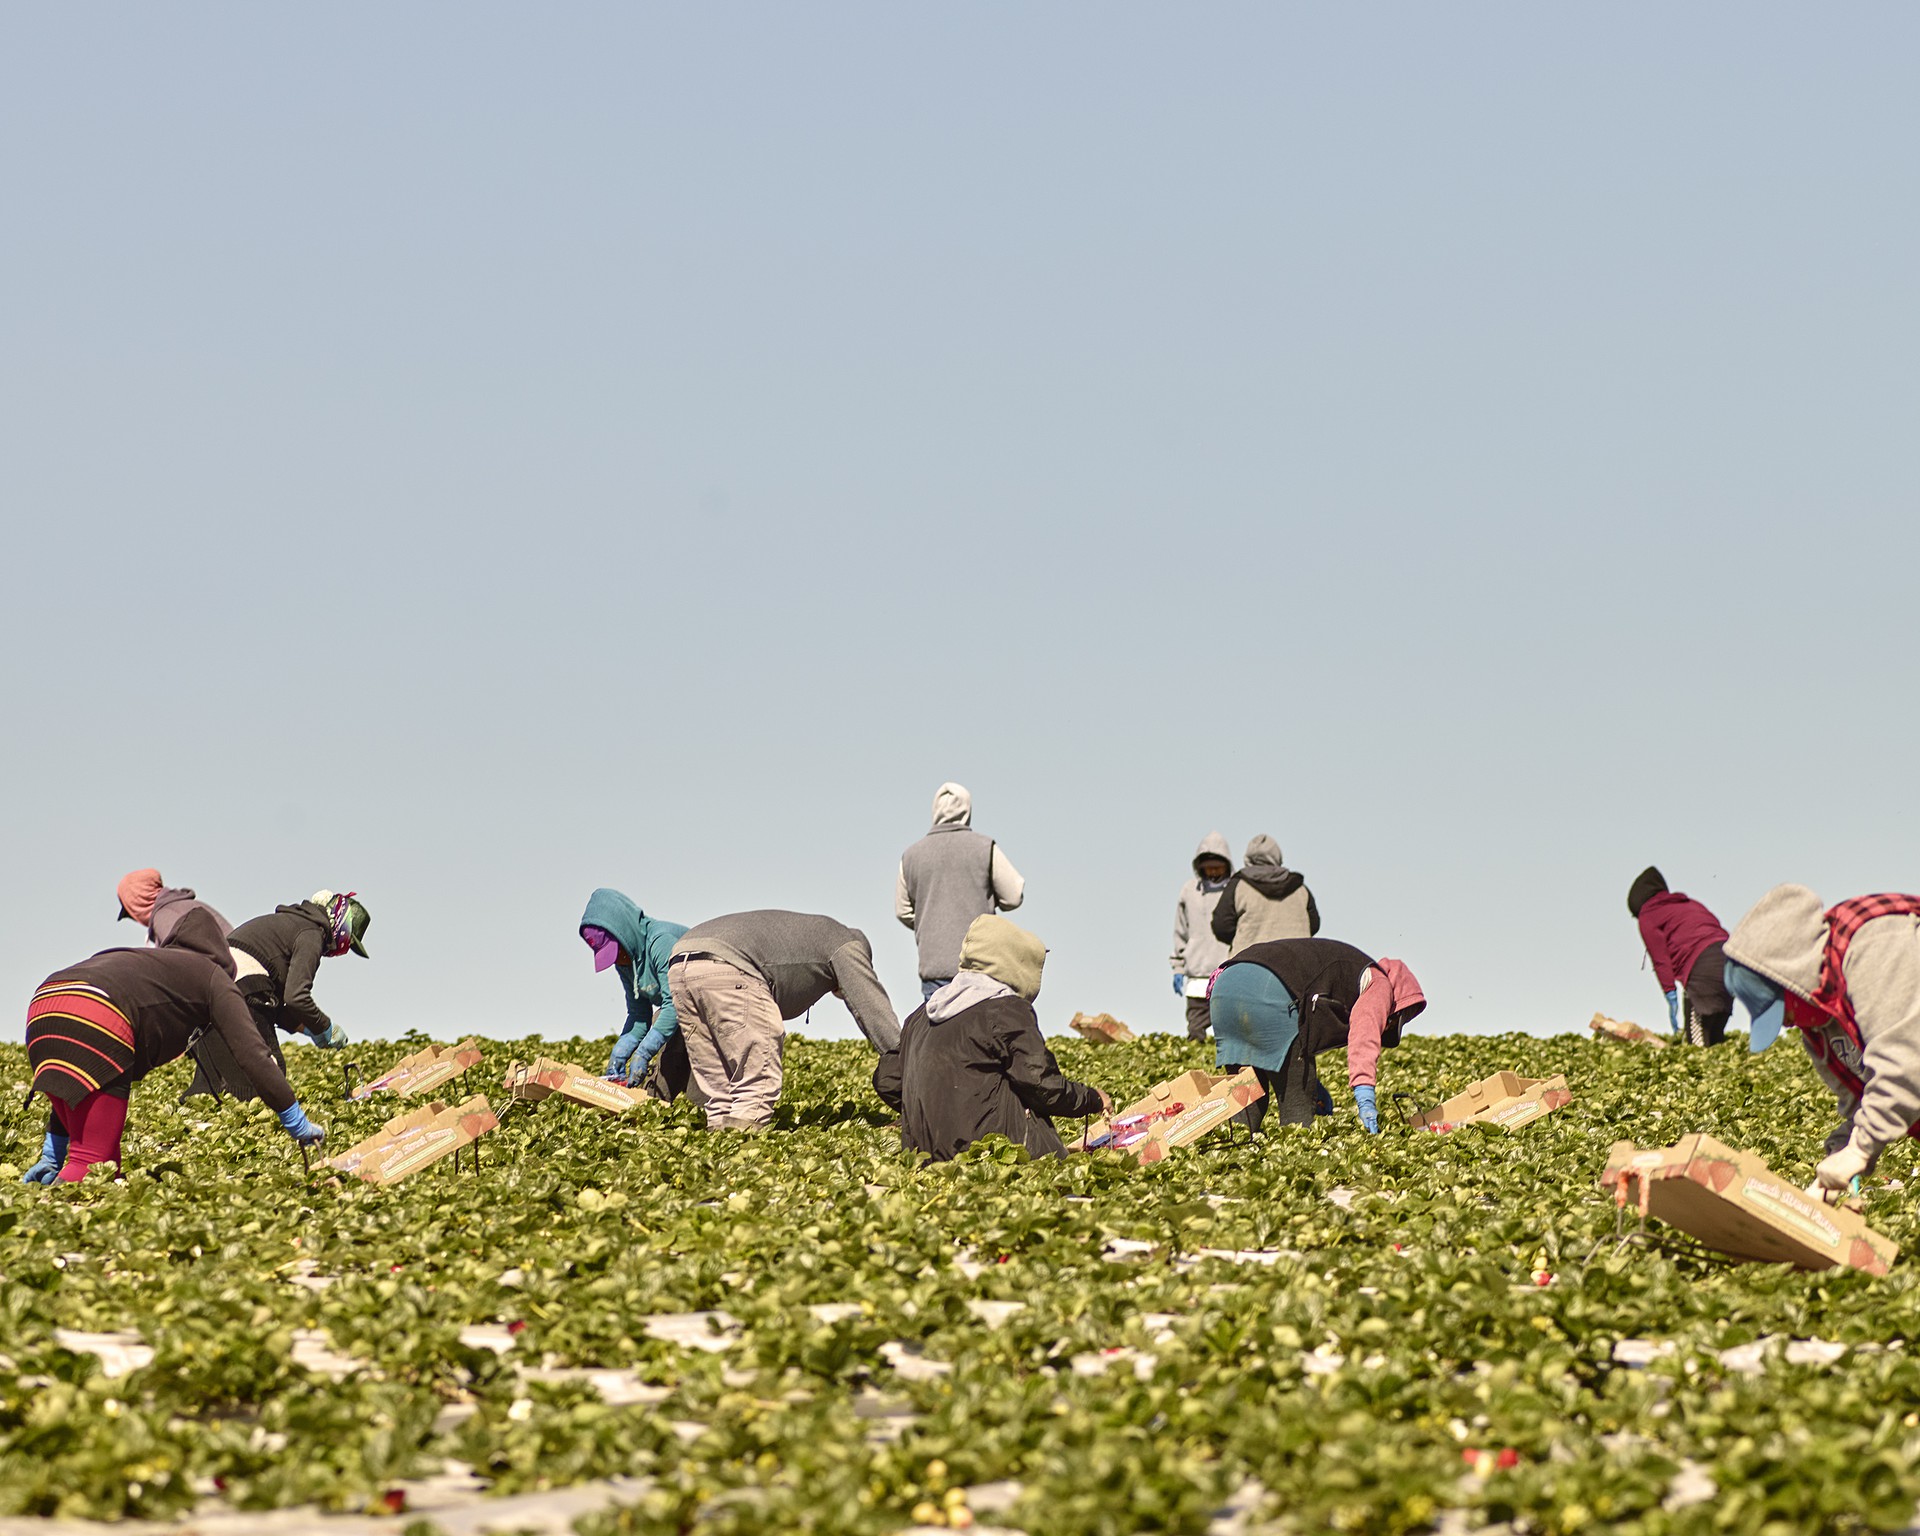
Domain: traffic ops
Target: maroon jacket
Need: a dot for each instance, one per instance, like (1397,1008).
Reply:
(1677,930)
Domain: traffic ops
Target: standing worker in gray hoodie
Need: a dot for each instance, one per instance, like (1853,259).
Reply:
(947,879)
(1265,901)
(1848,981)
(1197,954)
(735,981)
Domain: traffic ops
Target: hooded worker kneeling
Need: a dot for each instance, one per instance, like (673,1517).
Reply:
(1277,1006)
(971,1061)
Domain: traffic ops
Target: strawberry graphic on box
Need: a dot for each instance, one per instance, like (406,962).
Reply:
(1734,1203)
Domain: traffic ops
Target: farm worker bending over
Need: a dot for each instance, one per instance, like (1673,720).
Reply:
(1684,941)
(971,1062)
(947,879)
(1197,954)
(157,906)
(737,979)
(96,1028)
(1277,1006)
(277,957)
(1848,980)
(638,948)
(1265,901)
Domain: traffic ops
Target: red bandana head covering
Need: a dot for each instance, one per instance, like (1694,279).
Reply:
(137,892)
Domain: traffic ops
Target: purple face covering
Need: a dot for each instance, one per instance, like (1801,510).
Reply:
(605,947)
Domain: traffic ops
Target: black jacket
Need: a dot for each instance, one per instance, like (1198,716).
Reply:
(185,986)
(985,1071)
(1323,978)
(289,942)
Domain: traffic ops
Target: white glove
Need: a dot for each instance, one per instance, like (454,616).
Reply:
(1834,1177)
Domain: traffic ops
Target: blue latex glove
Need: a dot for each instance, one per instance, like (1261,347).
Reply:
(1179,986)
(638,1066)
(1673,1009)
(1369,1111)
(624,1045)
(1322,1100)
(53,1157)
(334,1039)
(300,1128)
(641,1062)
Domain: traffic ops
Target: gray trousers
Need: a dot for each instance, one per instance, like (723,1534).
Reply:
(1198,1020)
(735,1037)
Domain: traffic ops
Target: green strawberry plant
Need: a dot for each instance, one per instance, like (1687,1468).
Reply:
(1439,1337)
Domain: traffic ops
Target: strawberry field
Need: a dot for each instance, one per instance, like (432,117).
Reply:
(1317,1329)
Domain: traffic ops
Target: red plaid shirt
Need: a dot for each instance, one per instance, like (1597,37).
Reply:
(1830,1003)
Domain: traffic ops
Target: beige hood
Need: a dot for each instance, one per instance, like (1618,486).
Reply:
(1010,955)
(1783,938)
(952,806)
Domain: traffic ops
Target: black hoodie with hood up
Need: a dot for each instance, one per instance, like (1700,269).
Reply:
(289,943)
(971,1061)
(182,989)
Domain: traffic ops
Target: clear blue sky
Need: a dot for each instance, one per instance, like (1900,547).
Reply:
(474,453)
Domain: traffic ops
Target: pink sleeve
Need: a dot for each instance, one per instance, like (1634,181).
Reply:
(1364,1026)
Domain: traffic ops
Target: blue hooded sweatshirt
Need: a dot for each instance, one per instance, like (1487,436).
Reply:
(643,976)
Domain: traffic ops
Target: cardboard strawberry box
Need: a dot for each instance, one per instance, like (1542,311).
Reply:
(1506,1099)
(407,1143)
(536,1080)
(1174,1114)
(1101,1028)
(1620,1029)
(1734,1203)
(424,1070)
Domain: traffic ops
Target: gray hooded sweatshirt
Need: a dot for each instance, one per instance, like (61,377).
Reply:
(1196,952)
(801,957)
(947,879)
(1784,938)
(173,902)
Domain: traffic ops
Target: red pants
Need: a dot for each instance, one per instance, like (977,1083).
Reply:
(93,1128)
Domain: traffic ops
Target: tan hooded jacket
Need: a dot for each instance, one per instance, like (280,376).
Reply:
(1265,901)
(1784,938)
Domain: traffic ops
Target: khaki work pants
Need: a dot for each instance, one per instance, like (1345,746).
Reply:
(734,1037)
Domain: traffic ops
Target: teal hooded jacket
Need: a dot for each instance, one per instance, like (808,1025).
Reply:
(648,941)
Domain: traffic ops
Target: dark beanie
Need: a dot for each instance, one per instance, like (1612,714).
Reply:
(1648,884)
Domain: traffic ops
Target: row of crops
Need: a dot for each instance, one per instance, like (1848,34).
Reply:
(1319,1328)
